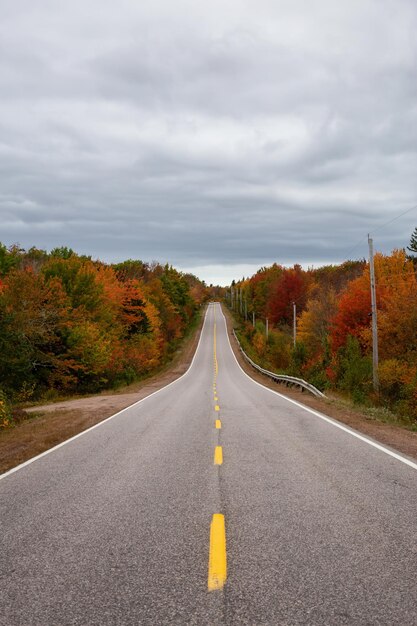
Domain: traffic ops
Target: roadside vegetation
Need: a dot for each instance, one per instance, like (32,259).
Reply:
(73,325)
(333,348)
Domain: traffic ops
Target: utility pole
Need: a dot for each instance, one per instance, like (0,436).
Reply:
(267,329)
(374,317)
(294,313)
(241,301)
(253,318)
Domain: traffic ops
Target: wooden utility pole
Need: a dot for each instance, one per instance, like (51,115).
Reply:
(267,329)
(374,317)
(253,318)
(294,313)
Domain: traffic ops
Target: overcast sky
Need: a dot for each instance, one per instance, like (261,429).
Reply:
(219,136)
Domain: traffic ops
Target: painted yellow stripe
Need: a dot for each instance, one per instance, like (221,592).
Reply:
(217,408)
(217,572)
(218,455)
(215,398)
(218,424)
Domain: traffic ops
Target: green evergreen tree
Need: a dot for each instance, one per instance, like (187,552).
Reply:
(413,242)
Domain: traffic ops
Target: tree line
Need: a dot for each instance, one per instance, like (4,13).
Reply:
(72,324)
(333,348)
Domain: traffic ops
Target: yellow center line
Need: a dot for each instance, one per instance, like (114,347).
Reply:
(216,365)
(217,572)
(218,455)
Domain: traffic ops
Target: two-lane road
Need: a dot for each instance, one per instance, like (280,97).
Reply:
(114,526)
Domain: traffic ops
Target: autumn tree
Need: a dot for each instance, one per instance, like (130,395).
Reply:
(397,315)
(291,286)
(68,322)
(33,319)
(314,323)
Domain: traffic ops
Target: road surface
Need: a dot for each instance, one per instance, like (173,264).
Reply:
(124,524)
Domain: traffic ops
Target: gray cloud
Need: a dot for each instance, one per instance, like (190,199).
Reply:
(208,135)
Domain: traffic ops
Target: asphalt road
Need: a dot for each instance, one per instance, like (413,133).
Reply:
(114,526)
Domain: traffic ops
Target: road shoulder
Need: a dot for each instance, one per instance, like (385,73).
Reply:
(54,423)
(393,436)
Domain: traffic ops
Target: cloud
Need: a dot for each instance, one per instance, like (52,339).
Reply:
(210,136)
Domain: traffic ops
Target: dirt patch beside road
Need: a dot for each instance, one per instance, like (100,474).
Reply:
(390,435)
(51,424)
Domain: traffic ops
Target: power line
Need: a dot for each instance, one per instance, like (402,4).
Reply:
(363,239)
(395,218)
(380,228)
(413,208)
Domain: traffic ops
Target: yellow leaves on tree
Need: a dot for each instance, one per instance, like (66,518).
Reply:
(396,287)
(69,322)
(314,322)
(259,343)
(90,347)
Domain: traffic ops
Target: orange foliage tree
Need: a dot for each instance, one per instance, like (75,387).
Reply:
(68,322)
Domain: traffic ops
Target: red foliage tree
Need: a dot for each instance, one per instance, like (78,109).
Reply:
(291,286)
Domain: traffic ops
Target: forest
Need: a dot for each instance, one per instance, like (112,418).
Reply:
(70,324)
(333,347)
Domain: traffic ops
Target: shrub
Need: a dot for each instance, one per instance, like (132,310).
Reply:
(259,343)
(317,377)
(354,370)
(298,358)
(394,377)
(398,386)
(279,348)
(6,418)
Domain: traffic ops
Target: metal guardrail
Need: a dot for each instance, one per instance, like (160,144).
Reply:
(281,378)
